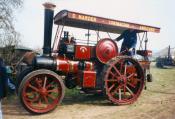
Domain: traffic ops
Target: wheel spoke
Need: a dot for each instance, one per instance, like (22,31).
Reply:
(38,82)
(117,71)
(49,85)
(32,100)
(120,95)
(115,91)
(121,65)
(51,96)
(124,90)
(111,87)
(34,88)
(125,70)
(113,75)
(39,102)
(53,91)
(130,75)
(130,91)
(137,79)
(45,80)
(130,84)
(46,100)
(111,80)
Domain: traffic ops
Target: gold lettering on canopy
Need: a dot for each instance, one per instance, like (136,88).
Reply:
(118,23)
(112,22)
(87,18)
(146,28)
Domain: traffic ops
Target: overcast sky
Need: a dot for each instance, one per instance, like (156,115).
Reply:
(159,13)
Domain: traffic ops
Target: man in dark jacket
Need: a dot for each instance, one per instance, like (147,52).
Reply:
(129,40)
(3,79)
(3,83)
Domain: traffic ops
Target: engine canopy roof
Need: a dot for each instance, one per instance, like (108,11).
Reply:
(79,20)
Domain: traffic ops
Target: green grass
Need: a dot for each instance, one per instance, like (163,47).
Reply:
(72,92)
(163,78)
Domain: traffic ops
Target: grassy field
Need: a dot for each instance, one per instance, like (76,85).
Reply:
(157,102)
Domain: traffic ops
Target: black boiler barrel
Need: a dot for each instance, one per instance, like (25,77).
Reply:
(48,23)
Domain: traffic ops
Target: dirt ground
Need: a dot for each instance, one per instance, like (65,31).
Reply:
(157,102)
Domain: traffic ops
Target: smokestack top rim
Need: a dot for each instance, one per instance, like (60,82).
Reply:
(49,5)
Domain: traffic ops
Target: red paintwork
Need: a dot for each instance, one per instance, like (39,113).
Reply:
(88,75)
(89,79)
(82,52)
(106,49)
(67,66)
(144,52)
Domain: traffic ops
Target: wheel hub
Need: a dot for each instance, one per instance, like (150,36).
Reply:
(43,91)
(123,79)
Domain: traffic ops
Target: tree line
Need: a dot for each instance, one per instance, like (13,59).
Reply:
(9,37)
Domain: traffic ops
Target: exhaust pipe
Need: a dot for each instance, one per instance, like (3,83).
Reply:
(48,23)
(46,61)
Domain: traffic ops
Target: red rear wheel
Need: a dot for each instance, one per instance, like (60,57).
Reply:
(124,80)
(41,90)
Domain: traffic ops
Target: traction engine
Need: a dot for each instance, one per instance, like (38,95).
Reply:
(96,69)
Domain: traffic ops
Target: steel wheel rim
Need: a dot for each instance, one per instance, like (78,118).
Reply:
(42,92)
(123,86)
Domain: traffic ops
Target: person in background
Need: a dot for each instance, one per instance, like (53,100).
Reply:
(3,83)
(10,83)
(129,41)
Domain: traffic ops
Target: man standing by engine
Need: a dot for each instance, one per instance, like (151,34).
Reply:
(129,41)
(3,83)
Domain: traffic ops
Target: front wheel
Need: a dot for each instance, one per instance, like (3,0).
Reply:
(124,80)
(40,91)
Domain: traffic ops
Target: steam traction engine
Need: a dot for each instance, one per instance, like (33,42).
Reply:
(97,68)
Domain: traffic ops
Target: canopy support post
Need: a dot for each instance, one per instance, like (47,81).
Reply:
(88,37)
(146,40)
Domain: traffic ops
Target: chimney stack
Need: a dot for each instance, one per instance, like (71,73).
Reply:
(48,23)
